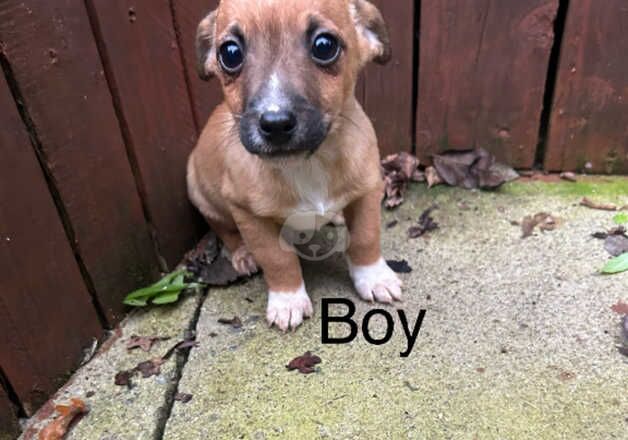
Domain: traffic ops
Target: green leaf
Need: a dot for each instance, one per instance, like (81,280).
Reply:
(168,298)
(169,287)
(168,279)
(135,302)
(621,218)
(616,265)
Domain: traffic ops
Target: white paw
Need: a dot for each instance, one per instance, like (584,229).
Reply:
(287,310)
(243,261)
(376,282)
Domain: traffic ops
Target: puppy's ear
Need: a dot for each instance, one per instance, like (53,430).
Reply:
(205,50)
(372,31)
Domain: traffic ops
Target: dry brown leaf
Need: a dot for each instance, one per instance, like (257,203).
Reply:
(472,169)
(207,264)
(182,397)
(542,220)
(569,176)
(234,322)
(403,162)
(424,225)
(601,206)
(432,177)
(398,170)
(58,428)
(616,245)
(619,230)
(143,342)
(620,308)
(151,367)
(392,224)
(305,364)
(566,376)
(123,378)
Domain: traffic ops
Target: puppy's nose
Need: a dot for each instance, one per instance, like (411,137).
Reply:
(278,127)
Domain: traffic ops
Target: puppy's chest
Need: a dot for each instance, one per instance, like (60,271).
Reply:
(312,187)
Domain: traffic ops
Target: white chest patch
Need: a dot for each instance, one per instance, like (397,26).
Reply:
(310,181)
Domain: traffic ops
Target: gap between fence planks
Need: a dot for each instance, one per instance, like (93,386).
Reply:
(483,67)
(590,112)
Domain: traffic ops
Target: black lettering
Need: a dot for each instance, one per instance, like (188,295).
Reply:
(411,336)
(390,327)
(326,319)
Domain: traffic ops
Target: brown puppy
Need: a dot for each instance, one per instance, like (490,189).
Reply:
(291,141)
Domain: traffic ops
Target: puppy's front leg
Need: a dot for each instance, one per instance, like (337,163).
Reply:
(372,277)
(288,302)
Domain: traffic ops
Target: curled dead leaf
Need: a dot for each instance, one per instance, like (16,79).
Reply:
(150,367)
(432,177)
(616,245)
(620,308)
(68,414)
(123,378)
(143,342)
(542,220)
(569,176)
(183,397)
(392,224)
(596,205)
(305,363)
(424,225)
(234,322)
(471,169)
(208,265)
(398,170)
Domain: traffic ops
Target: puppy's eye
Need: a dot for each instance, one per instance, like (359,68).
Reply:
(231,56)
(325,49)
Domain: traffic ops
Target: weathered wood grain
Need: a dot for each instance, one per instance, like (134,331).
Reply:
(206,95)
(53,55)
(9,428)
(482,73)
(388,89)
(589,122)
(46,312)
(144,64)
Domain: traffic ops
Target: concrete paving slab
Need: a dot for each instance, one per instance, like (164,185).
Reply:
(518,341)
(116,412)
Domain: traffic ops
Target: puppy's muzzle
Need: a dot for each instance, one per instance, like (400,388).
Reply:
(282,125)
(278,127)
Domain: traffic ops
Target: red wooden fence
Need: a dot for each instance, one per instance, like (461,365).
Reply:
(589,124)
(101,106)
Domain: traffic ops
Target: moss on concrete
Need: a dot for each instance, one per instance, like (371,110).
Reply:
(518,341)
(607,187)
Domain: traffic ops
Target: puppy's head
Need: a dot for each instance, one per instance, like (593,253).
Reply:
(288,66)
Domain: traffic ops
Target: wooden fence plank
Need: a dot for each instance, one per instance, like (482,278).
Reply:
(55,60)
(205,95)
(9,427)
(143,57)
(482,72)
(46,312)
(388,89)
(589,122)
